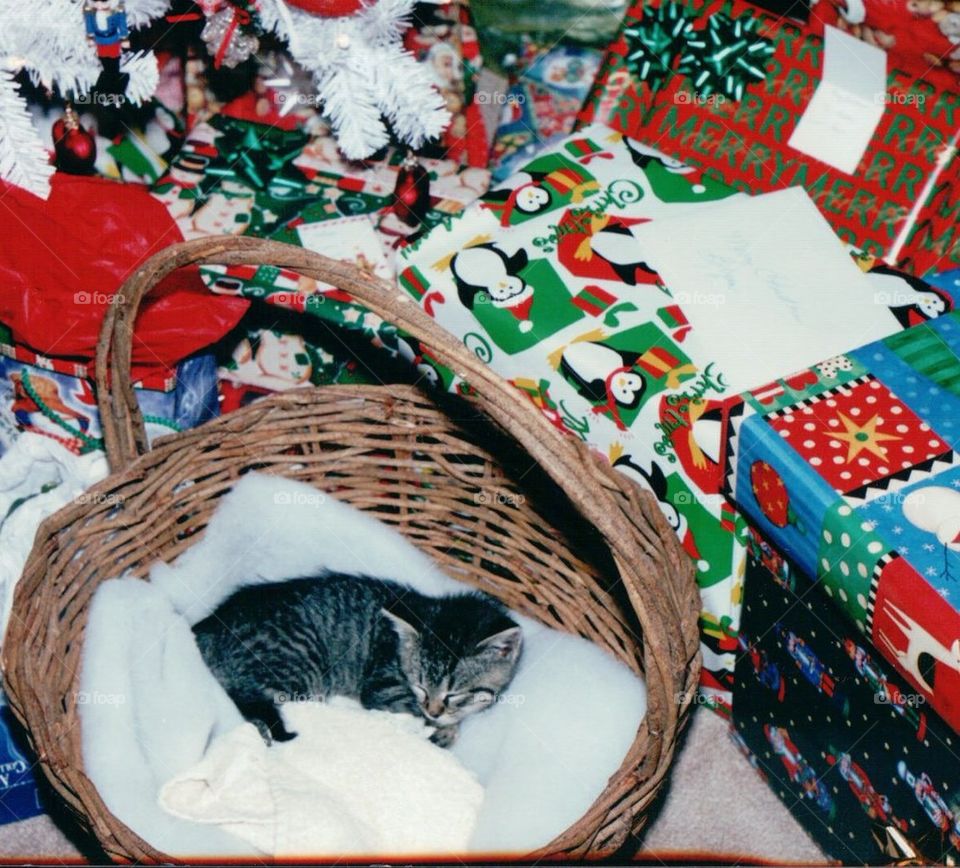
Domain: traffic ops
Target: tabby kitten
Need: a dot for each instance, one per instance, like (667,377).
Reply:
(374,640)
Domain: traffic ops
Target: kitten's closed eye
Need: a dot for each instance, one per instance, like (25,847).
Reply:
(479,696)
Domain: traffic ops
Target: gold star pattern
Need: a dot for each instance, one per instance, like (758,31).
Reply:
(860,437)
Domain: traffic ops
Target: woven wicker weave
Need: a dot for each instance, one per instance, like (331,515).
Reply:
(568,542)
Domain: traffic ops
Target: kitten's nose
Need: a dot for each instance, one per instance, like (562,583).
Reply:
(434,707)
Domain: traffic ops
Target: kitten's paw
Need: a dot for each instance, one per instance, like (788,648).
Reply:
(273,734)
(445,735)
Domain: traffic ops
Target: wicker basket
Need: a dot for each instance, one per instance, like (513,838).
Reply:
(582,549)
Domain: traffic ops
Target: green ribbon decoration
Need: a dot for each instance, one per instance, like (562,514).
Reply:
(654,42)
(726,56)
(90,443)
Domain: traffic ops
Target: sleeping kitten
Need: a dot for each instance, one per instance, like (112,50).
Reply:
(374,640)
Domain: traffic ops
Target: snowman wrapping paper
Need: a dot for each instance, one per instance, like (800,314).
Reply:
(547,279)
(236,176)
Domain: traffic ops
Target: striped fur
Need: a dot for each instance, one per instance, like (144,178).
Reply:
(376,641)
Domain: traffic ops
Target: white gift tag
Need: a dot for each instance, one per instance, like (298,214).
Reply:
(847,106)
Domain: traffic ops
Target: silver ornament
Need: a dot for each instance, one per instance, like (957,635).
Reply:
(222,27)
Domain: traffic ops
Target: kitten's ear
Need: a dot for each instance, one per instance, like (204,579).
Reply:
(504,645)
(405,630)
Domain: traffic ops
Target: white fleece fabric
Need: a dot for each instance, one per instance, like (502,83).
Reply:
(44,476)
(353,782)
(542,754)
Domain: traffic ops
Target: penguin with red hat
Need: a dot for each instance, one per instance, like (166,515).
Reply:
(546,184)
(485,274)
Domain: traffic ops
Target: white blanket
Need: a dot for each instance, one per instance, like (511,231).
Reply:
(152,709)
(37,477)
(353,782)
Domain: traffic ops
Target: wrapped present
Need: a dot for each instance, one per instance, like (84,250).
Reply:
(442,37)
(236,176)
(553,279)
(19,790)
(854,477)
(55,397)
(505,26)
(746,98)
(542,104)
(852,749)
(922,36)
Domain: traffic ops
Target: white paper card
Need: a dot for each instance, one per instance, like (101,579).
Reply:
(352,238)
(765,284)
(846,107)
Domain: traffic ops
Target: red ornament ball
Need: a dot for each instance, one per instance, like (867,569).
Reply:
(329,8)
(75,149)
(411,195)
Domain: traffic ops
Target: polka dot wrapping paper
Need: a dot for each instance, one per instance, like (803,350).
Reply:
(852,749)
(856,480)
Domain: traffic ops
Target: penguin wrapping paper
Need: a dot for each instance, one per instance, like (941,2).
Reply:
(724,86)
(854,752)
(549,279)
(848,468)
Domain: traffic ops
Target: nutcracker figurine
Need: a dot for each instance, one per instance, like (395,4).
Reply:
(106,22)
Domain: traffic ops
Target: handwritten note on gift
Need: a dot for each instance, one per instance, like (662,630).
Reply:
(766,285)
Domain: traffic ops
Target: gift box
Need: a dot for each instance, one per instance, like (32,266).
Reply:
(55,397)
(852,749)
(442,37)
(236,176)
(751,100)
(19,793)
(541,106)
(851,473)
(505,26)
(922,36)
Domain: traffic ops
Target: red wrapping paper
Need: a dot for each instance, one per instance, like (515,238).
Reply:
(901,203)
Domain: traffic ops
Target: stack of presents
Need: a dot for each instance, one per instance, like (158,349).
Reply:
(723,250)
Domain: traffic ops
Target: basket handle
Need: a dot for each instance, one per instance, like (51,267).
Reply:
(122,422)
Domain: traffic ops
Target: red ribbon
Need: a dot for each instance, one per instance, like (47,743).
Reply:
(240,16)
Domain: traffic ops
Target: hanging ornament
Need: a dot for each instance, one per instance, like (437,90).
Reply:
(654,42)
(411,194)
(67,46)
(726,56)
(225,37)
(75,150)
